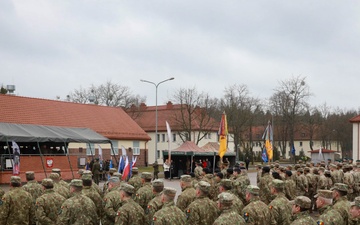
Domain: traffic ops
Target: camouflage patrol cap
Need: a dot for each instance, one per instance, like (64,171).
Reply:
(135,169)
(276,165)
(158,183)
(302,201)
(168,191)
(322,169)
(300,170)
(203,186)
(54,176)
(30,175)
(87,172)
(324,193)
(86,177)
(46,182)
(340,187)
(297,166)
(332,165)
(127,188)
(76,183)
(253,189)
(80,171)
(226,198)
(327,172)
(15,180)
(227,183)
(113,170)
(356,202)
(185,178)
(146,175)
(117,174)
(307,169)
(56,170)
(279,184)
(114,179)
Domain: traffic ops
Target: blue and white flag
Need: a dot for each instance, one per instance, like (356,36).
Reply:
(264,155)
(16,158)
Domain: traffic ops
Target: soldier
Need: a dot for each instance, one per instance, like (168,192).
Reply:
(209,177)
(256,212)
(135,179)
(169,214)
(49,204)
(217,178)
(155,204)
(130,213)
(329,183)
(240,183)
(311,185)
(349,181)
(61,181)
(144,194)
(355,212)
(156,169)
(188,193)
(224,167)
(300,209)
(105,186)
(32,186)
(327,214)
(96,171)
(16,206)
(202,211)
(279,207)
(78,209)
(264,186)
(340,201)
(228,215)
(335,174)
(198,171)
(301,183)
(290,187)
(258,174)
(94,186)
(2,192)
(92,194)
(58,187)
(356,174)
(111,201)
(226,186)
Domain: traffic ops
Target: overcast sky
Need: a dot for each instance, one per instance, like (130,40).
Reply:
(49,48)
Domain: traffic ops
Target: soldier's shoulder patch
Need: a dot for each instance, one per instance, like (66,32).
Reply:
(246,216)
(154,218)
(188,213)
(320,222)
(271,207)
(118,213)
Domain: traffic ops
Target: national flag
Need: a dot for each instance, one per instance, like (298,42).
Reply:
(122,160)
(268,137)
(16,158)
(293,150)
(223,132)
(111,165)
(126,170)
(100,153)
(169,139)
(320,156)
(134,161)
(264,155)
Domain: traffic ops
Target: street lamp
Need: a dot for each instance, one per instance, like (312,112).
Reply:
(156,110)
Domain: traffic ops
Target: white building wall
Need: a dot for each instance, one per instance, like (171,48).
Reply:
(356,141)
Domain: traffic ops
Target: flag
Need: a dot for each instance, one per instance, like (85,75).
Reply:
(264,155)
(122,160)
(132,164)
(126,170)
(223,131)
(134,161)
(100,153)
(111,165)
(16,158)
(268,137)
(320,156)
(169,139)
(293,150)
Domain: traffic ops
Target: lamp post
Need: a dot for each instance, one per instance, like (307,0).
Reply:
(156,110)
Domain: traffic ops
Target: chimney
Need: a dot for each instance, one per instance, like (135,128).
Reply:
(169,105)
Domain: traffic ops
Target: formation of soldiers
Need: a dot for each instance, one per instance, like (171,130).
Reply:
(283,195)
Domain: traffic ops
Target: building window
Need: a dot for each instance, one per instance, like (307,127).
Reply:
(163,137)
(174,137)
(158,138)
(300,143)
(136,147)
(158,154)
(115,150)
(90,149)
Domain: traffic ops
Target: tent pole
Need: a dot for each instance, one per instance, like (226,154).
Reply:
(112,149)
(11,160)
(42,159)
(214,162)
(68,157)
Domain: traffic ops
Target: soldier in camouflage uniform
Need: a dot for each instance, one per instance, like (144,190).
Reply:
(202,211)
(327,214)
(169,214)
(61,181)
(92,194)
(16,206)
(279,207)
(111,201)
(130,213)
(155,204)
(32,186)
(300,209)
(48,205)
(144,194)
(224,166)
(335,174)
(198,171)
(256,212)
(188,193)
(340,201)
(228,215)
(258,174)
(105,186)
(356,174)
(355,212)
(2,192)
(226,186)
(240,183)
(311,185)
(290,187)
(65,192)
(78,209)
(349,181)
(94,186)
(135,179)
(264,186)
(209,177)
(301,183)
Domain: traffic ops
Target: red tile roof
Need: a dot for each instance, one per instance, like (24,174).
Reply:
(355,119)
(111,122)
(189,146)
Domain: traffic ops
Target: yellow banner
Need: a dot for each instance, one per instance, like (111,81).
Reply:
(269,149)
(223,146)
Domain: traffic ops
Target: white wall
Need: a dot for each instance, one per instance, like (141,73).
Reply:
(356,141)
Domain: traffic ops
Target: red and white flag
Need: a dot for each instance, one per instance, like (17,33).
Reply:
(126,170)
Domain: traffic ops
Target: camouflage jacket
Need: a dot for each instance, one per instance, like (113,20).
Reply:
(257,212)
(265,194)
(290,189)
(16,207)
(65,192)
(2,192)
(96,198)
(280,210)
(239,186)
(343,206)
(169,214)
(48,206)
(130,213)
(237,205)
(34,188)
(154,205)
(198,172)
(303,218)
(349,181)
(329,216)
(229,216)
(78,210)
(186,197)
(354,221)
(144,195)
(112,203)
(202,211)
(136,182)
